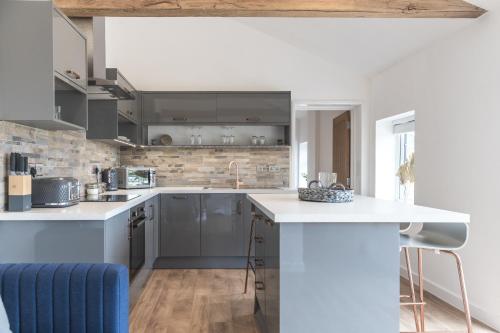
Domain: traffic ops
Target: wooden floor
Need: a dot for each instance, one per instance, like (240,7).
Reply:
(212,301)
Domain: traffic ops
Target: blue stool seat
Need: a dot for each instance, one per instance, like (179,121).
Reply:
(65,297)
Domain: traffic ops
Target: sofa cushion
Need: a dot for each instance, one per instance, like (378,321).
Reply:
(4,322)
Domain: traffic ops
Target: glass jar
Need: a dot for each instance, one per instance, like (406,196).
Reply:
(254,140)
(262,140)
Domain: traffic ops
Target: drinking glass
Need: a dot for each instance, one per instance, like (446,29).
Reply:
(327,179)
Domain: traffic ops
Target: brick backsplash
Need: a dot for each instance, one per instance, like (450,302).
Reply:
(55,153)
(259,167)
(70,154)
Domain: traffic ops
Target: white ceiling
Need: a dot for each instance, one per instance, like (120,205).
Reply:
(362,46)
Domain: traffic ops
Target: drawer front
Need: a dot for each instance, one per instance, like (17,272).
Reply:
(70,51)
(179,108)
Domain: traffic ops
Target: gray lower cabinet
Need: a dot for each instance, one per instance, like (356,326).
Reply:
(222,228)
(204,230)
(116,242)
(267,273)
(152,231)
(180,225)
(254,107)
(178,107)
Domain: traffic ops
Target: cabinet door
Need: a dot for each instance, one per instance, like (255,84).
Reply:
(70,51)
(151,232)
(260,271)
(117,243)
(179,108)
(180,225)
(272,277)
(222,225)
(128,108)
(253,108)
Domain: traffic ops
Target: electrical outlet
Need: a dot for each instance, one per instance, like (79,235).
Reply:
(274,168)
(262,168)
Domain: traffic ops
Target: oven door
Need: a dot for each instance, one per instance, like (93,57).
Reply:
(137,246)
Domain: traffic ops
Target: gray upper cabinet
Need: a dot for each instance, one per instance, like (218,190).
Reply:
(70,54)
(128,107)
(222,228)
(253,107)
(178,108)
(180,225)
(43,64)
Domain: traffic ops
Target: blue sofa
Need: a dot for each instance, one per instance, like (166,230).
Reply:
(65,297)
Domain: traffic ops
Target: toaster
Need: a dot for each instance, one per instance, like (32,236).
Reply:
(53,192)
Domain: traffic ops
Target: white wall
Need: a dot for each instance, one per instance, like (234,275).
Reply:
(454,88)
(222,54)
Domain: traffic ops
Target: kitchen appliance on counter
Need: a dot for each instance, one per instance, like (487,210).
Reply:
(19,189)
(110,178)
(137,236)
(53,192)
(136,177)
(109,198)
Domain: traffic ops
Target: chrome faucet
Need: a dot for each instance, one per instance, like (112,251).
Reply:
(237,172)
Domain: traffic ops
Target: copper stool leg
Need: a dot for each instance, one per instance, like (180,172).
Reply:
(412,289)
(421,288)
(463,289)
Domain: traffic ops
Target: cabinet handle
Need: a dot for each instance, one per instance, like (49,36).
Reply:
(180,197)
(269,222)
(152,212)
(259,262)
(73,74)
(239,209)
(259,285)
(259,239)
(254,119)
(179,119)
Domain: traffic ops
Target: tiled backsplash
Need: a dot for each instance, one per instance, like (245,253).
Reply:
(259,167)
(70,154)
(55,153)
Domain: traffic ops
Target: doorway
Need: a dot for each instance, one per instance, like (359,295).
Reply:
(323,140)
(341,148)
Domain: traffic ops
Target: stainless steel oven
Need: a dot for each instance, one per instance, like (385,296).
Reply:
(136,177)
(137,239)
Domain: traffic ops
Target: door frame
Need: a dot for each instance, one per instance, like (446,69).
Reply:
(359,138)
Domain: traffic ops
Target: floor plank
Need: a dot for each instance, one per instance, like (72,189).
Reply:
(212,301)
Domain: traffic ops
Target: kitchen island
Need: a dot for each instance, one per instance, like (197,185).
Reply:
(331,267)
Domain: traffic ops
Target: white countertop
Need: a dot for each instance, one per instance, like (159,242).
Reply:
(288,208)
(96,211)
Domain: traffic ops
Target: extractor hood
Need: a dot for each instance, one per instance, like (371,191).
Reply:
(104,83)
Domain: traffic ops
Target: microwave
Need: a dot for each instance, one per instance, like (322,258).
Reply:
(136,177)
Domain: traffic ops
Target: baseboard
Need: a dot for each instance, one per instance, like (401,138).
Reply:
(200,262)
(455,300)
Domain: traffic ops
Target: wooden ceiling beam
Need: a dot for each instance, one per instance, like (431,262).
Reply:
(274,8)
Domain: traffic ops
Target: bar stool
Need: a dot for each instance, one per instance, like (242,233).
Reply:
(440,238)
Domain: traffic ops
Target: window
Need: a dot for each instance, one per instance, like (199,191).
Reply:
(405,160)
